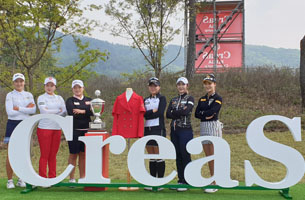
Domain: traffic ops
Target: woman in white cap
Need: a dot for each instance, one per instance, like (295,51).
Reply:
(180,110)
(48,131)
(207,111)
(19,105)
(78,106)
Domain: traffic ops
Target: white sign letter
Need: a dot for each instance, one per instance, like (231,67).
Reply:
(137,156)
(19,149)
(221,157)
(94,146)
(260,144)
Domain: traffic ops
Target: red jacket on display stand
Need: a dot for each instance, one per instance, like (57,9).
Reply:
(128,116)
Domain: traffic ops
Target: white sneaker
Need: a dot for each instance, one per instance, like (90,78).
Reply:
(148,188)
(72,181)
(10,184)
(210,190)
(181,189)
(20,183)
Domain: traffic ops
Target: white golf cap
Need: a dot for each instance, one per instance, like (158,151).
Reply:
(183,80)
(77,82)
(50,80)
(18,75)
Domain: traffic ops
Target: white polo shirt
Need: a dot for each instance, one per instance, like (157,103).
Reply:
(22,100)
(51,104)
(152,103)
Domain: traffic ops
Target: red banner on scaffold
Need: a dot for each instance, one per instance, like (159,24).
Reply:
(229,56)
(230,45)
(205,24)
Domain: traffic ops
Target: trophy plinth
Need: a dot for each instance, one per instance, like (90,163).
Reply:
(97,107)
(96,126)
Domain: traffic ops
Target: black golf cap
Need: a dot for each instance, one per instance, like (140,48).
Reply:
(154,81)
(210,78)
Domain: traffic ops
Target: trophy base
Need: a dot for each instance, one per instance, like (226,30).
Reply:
(96,126)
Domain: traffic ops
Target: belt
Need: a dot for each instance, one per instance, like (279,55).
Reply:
(150,128)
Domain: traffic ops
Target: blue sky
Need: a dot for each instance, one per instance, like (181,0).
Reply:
(275,23)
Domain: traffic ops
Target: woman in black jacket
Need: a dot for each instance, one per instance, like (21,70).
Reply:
(78,106)
(180,110)
(207,111)
(155,106)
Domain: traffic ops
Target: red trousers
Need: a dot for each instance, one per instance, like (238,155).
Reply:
(49,141)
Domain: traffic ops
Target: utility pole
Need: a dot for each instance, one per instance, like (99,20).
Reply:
(243,38)
(191,48)
(185,33)
(302,73)
(215,50)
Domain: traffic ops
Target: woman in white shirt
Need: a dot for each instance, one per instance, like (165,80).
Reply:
(19,104)
(48,131)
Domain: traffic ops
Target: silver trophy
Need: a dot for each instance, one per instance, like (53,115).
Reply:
(97,107)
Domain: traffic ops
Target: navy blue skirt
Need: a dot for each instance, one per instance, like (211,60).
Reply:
(10,126)
(153,131)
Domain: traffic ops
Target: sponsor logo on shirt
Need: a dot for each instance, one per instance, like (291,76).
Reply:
(183,102)
(211,101)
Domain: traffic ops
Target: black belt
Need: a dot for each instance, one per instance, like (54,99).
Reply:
(151,128)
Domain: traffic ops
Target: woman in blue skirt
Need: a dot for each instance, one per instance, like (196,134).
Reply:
(19,105)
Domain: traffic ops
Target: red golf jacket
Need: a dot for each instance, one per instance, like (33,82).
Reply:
(128,117)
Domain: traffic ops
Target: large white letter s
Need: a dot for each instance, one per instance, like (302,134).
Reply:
(260,144)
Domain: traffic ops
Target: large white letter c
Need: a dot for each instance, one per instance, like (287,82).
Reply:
(19,149)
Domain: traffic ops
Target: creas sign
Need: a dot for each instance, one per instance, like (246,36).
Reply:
(20,159)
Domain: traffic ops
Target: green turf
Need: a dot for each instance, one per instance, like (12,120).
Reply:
(63,193)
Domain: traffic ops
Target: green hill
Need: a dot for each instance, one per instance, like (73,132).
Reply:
(126,59)
(263,55)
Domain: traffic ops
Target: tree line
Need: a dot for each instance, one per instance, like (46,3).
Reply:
(28,39)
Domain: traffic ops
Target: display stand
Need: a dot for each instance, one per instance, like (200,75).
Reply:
(128,176)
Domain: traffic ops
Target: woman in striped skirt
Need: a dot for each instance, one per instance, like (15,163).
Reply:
(207,111)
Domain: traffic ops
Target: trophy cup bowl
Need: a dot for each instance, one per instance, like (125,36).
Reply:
(97,107)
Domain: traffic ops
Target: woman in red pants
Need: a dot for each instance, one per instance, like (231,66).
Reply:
(48,131)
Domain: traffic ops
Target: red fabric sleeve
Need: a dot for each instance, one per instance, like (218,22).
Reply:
(141,118)
(115,118)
